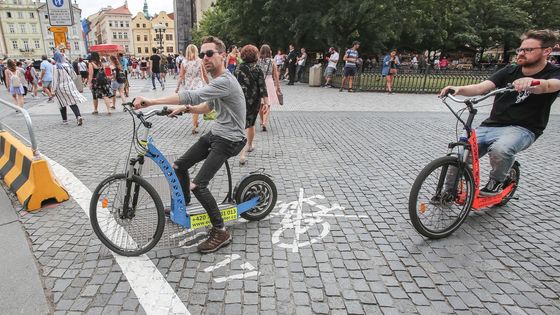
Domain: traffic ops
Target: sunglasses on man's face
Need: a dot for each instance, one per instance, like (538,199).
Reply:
(208,53)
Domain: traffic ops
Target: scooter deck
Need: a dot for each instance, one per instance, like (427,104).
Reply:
(199,217)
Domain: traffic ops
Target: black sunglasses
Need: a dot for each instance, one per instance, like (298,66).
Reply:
(208,53)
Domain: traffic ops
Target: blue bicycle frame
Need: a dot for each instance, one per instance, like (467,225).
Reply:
(179,214)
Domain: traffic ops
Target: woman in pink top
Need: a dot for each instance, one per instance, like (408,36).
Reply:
(193,75)
(272,80)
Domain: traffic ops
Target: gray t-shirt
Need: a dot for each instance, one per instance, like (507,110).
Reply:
(223,94)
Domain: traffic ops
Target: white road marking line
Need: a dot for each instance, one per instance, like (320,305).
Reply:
(229,259)
(154,293)
(238,276)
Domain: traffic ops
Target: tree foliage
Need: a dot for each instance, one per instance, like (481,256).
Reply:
(378,24)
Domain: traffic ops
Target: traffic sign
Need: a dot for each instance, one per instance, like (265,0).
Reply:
(58,29)
(59,38)
(60,12)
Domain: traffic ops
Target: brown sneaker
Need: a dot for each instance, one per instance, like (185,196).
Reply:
(217,238)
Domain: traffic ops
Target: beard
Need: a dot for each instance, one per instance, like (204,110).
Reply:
(526,63)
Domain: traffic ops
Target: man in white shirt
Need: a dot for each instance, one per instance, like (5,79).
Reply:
(331,67)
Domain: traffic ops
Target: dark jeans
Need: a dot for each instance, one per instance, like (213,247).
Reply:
(154,76)
(292,73)
(215,151)
(74,109)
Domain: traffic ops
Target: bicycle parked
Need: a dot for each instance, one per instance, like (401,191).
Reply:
(448,188)
(127,213)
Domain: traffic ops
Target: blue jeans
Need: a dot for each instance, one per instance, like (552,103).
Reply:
(154,76)
(501,144)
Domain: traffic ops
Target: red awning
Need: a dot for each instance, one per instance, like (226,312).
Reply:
(106,48)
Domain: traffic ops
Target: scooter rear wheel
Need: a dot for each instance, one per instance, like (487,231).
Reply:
(257,185)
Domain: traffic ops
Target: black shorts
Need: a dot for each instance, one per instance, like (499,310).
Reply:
(350,71)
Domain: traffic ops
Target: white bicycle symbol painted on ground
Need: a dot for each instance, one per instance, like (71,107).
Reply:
(301,222)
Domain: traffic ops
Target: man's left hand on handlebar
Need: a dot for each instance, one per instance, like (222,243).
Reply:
(178,111)
(525,84)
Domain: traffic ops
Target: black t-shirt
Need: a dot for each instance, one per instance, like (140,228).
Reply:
(531,113)
(155,63)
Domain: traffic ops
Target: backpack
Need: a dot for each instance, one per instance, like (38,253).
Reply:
(120,77)
(101,78)
(15,81)
(28,75)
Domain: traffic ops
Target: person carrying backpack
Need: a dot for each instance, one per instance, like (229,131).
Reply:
(15,79)
(98,83)
(32,79)
(118,81)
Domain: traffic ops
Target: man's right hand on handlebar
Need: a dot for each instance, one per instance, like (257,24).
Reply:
(140,102)
(443,92)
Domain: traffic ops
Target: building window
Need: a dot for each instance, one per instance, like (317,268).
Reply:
(139,50)
(76,46)
(20,15)
(110,23)
(32,15)
(145,38)
(12,28)
(143,25)
(126,48)
(120,35)
(137,38)
(168,36)
(114,35)
(14,44)
(137,25)
(122,24)
(125,35)
(169,49)
(46,16)
(34,28)
(166,24)
(37,44)
(22,28)
(146,50)
(9,15)
(127,25)
(26,44)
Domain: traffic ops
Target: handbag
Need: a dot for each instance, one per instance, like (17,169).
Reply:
(77,81)
(280,97)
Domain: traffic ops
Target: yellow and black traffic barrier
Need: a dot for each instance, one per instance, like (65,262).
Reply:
(29,177)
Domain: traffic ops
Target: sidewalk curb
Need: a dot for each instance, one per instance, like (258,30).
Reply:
(22,290)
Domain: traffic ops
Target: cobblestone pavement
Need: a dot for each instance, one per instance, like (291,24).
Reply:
(347,162)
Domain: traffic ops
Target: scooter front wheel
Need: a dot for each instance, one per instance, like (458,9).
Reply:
(257,185)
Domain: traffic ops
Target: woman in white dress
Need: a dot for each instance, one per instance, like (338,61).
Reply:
(193,75)
(65,90)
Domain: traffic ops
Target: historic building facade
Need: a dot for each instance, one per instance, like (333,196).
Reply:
(111,26)
(20,30)
(146,36)
(188,14)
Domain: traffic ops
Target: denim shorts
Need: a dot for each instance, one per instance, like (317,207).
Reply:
(350,71)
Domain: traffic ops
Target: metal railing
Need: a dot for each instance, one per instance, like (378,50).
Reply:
(32,140)
(408,80)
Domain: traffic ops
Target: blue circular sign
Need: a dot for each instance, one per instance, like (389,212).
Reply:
(58,3)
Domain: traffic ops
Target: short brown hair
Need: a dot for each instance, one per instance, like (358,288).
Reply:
(547,37)
(249,53)
(216,41)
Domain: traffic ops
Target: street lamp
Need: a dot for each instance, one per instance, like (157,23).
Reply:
(160,28)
